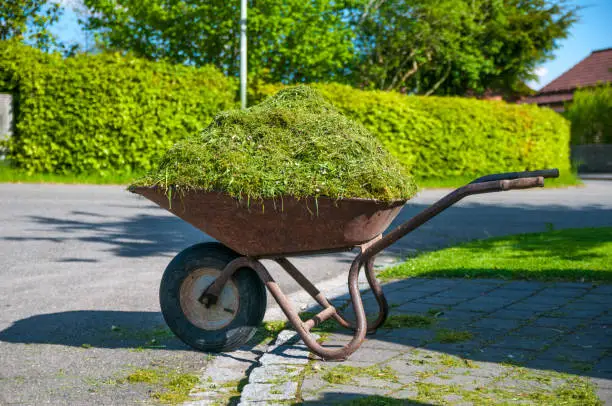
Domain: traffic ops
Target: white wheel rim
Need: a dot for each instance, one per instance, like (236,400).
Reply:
(216,316)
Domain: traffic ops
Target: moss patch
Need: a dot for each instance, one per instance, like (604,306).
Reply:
(268,330)
(344,374)
(294,143)
(575,391)
(169,386)
(408,321)
(447,336)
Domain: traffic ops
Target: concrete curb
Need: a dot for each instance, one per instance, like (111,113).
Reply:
(595,176)
(276,377)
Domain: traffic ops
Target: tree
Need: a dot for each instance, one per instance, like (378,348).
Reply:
(456,46)
(29,21)
(416,46)
(289,41)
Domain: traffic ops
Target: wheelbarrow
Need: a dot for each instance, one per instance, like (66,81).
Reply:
(213,295)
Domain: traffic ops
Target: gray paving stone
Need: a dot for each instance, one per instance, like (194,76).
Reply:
(462,316)
(604,319)
(365,381)
(404,295)
(453,399)
(468,382)
(548,364)
(531,332)
(373,356)
(406,394)
(460,293)
(484,304)
(379,343)
(463,348)
(571,285)
(498,354)
(258,392)
(541,299)
(431,286)
(522,343)
(480,283)
(605,383)
(565,353)
(564,324)
(586,305)
(413,307)
(513,314)
(604,290)
(275,373)
(334,394)
(568,293)
(407,336)
(524,285)
(441,301)
(286,355)
(496,323)
(482,369)
(605,395)
(487,335)
(603,368)
(533,307)
(596,336)
(583,314)
(510,294)
(312,384)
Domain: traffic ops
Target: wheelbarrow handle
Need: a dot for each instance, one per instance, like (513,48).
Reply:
(545,173)
(486,184)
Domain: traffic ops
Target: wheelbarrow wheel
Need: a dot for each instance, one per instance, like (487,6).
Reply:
(224,326)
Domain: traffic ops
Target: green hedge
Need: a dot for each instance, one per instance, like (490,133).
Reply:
(442,137)
(107,112)
(591,115)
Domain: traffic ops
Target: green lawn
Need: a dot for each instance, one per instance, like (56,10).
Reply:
(12,175)
(569,255)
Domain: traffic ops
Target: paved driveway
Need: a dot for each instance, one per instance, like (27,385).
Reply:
(80,267)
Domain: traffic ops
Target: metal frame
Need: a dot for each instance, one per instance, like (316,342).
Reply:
(364,259)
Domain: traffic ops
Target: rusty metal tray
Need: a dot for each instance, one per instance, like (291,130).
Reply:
(282,226)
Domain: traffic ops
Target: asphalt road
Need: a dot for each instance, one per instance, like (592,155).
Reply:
(77,260)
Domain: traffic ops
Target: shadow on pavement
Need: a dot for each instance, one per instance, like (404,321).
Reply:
(563,327)
(141,235)
(145,235)
(93,328)
(359,399)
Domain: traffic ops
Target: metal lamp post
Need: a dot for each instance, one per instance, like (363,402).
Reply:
(243,53)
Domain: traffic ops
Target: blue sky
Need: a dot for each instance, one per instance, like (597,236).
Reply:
(592,32)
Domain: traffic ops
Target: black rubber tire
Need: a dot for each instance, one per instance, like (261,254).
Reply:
(251,292)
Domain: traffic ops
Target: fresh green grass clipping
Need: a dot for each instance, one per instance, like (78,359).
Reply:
(294,143)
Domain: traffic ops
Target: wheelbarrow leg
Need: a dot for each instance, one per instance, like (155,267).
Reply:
(322,300)
(303,328)
(383,306)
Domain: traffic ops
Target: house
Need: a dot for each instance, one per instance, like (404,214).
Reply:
(591,71)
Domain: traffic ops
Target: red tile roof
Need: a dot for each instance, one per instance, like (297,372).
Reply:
(593,69)
(548,98)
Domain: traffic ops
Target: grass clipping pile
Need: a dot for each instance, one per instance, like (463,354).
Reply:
(293,144)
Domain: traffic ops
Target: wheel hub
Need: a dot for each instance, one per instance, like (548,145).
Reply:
(214,316)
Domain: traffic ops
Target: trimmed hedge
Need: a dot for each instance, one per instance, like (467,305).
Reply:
(591,115)
(442,137)
(107,112)
(113,113)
